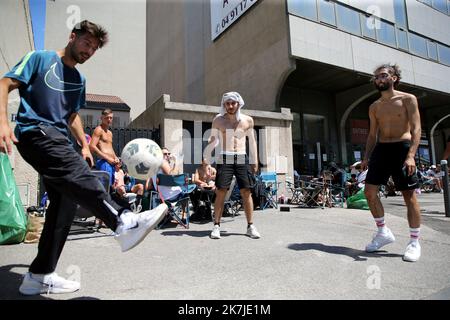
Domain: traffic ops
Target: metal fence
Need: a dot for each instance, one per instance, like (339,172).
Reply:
(121,136)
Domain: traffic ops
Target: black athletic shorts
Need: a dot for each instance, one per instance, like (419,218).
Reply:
(387,160)
(229,165)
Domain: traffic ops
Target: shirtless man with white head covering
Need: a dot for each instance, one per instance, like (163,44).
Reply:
(229,131)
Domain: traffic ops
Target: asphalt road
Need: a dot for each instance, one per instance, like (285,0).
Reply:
(303,254)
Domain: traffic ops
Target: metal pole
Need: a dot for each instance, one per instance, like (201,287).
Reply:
(319,159)
(444,168)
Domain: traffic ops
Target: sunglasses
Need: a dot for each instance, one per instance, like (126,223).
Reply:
(381,76)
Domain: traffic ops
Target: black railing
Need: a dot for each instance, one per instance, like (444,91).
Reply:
(121,136)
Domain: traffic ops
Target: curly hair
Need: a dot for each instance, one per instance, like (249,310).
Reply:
(93,29)
(393,69)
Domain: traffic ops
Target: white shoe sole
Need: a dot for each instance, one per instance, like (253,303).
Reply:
(410,259)
(374,250)
(37,291)
(146,231)
(379,248)
(214,236)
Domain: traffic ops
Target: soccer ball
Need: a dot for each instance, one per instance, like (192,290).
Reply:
(143,158)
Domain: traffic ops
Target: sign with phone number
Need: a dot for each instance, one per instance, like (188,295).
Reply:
(225,12)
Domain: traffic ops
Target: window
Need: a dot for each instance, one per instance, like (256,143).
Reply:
(418,45)
(428,2)
(296,131)
(432,50)
(315,128)
(386,34)
(305,8)
(402,39)
(444,54)
(348,19)
(326,12)
(88,120)
(368,25)
(440,5)
(400,13)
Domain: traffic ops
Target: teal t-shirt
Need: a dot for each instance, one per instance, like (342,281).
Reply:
(50,91)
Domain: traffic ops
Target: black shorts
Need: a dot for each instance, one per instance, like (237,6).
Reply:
(237,165)
(387,160)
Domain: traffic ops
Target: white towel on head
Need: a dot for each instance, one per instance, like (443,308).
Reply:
(235,97)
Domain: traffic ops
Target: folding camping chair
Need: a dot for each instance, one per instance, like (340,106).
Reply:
(81,213)
(312,194)
(296,192)
(181,200)
(333,195)
(271,189)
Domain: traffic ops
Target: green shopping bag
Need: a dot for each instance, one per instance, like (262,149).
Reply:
(358,201)
(13,220)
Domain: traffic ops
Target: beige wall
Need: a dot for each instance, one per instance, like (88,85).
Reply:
(118,69)
(251,57)
(16,39)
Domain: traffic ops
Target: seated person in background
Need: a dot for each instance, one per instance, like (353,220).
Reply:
(361,177)
(168,167)
(435,174)
(357,181)
(422,172)
(351,185)
(122,188)
(339,175)
(204,178)
(205,175)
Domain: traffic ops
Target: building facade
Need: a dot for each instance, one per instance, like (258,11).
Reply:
(314,57)
(117,69)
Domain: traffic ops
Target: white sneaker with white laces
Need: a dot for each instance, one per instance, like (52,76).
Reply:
(252,232)
(215,233)
(412,253)
(380,240)
(34,284)
(145,222)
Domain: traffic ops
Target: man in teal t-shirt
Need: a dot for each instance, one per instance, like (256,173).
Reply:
(51,92)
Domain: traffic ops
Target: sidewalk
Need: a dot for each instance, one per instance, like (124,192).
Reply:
(303,254)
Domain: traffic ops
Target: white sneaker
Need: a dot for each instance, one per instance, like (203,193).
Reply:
(253,233)
(215,233)
(412,252)
(145,222)
(380,239)
(33,284)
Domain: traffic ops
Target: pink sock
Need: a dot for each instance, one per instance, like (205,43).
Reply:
(414,234)
(381,224)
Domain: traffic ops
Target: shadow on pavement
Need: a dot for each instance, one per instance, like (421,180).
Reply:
(10,283)
(199,234)
(357,255)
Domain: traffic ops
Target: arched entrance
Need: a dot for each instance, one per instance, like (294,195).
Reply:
(316,94)
(435,153)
